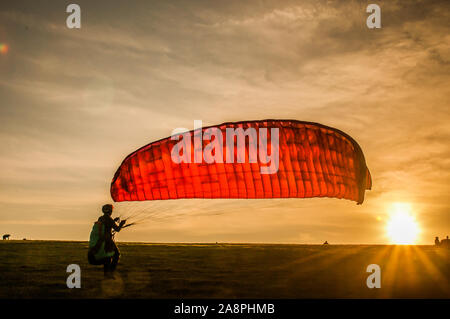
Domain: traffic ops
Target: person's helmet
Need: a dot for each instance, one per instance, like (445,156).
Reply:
(107,209)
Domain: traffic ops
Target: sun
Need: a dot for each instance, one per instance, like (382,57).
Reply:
(402,227)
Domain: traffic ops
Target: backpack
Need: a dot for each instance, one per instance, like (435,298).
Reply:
(97,242)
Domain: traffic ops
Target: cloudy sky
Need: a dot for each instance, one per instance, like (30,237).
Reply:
(74,103)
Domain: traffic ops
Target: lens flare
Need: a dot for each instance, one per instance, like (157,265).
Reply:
(3,48)
(402,227)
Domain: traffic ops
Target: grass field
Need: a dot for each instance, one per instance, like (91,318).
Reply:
(37,269)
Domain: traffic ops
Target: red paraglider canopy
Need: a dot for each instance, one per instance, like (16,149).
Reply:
(314,161)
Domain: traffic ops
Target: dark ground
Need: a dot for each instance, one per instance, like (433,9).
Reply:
(37,269)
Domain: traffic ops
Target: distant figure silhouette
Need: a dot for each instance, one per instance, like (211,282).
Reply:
(436,241)
(445,243)
(6,236)
(325,243)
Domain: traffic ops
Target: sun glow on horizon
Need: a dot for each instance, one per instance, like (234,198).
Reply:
(402,228)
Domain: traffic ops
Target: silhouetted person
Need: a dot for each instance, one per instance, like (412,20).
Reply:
(105,251)
(445,243)
(325,243)
(436,241)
